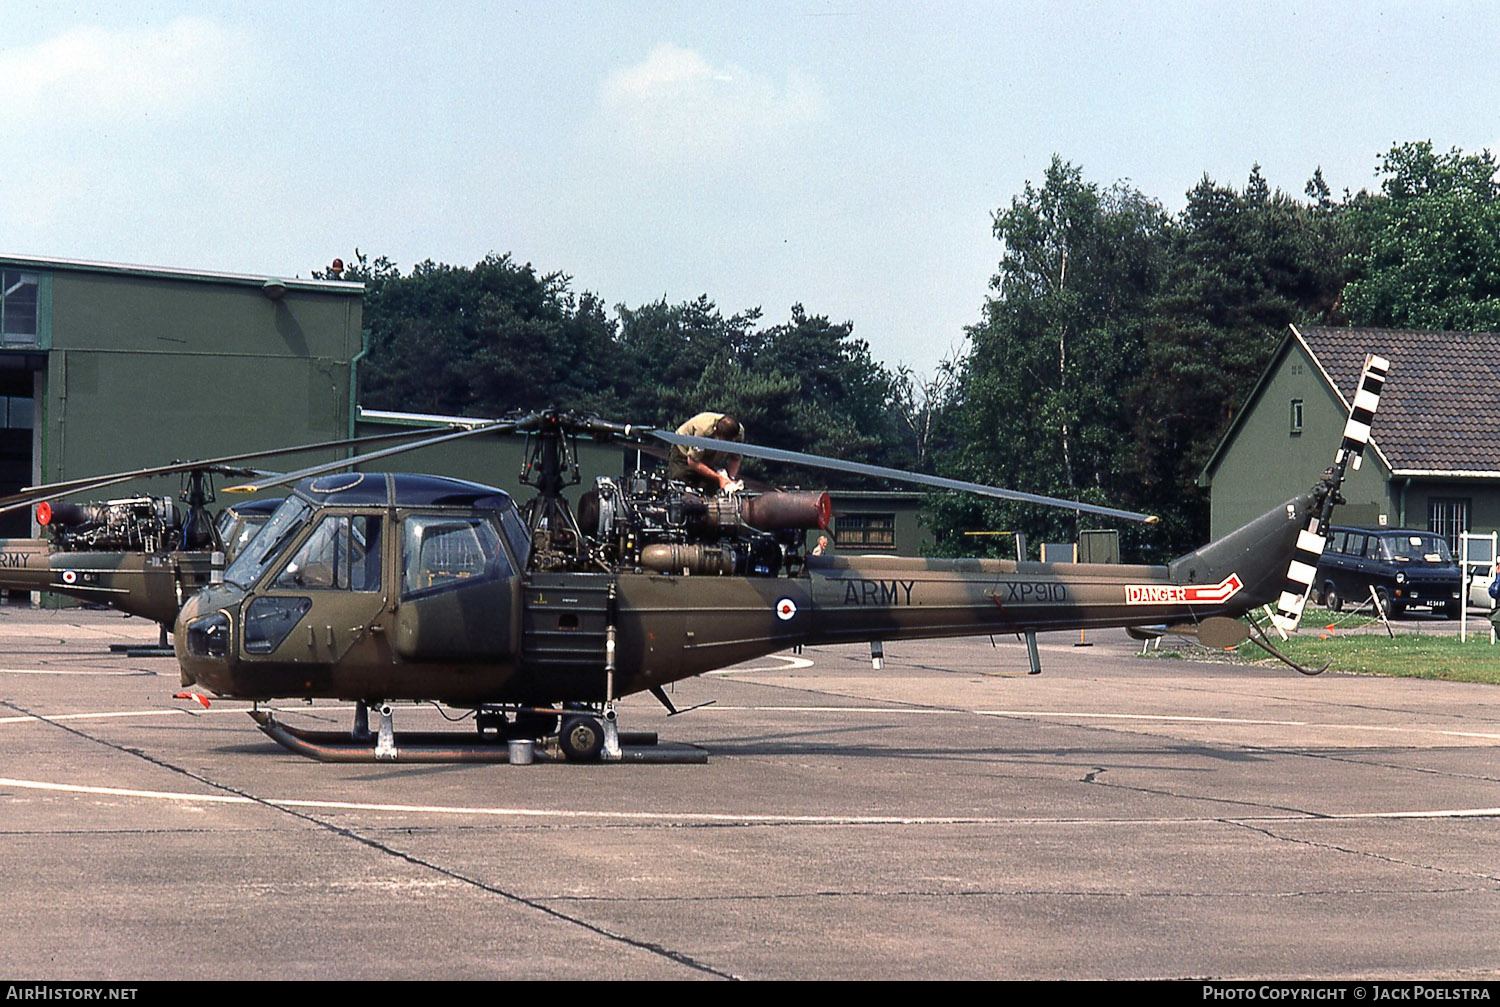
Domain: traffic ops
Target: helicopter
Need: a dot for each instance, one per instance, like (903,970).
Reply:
(143,555)
(379,588)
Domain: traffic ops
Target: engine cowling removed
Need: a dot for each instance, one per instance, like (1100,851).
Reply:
(645,521)
(144,523)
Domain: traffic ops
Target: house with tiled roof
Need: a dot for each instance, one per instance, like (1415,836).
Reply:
(1434,461)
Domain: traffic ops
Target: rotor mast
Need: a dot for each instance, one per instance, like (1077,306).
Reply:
(200,531)
(551,466)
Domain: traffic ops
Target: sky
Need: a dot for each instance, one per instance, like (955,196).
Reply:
(847,156)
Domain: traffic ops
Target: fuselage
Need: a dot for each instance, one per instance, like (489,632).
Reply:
(428,598)
(147,584)
(152,584)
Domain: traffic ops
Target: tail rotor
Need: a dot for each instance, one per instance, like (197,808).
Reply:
(1304,566)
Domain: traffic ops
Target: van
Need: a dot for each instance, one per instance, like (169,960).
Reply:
(1405,567)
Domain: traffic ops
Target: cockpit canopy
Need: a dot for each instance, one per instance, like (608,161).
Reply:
(358,490)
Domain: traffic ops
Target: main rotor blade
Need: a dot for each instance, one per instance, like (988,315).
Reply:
(51,491)
(286,478)
(881,472)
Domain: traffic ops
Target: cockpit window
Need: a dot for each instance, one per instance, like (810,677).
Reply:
(267,546)
(516,533)
(237,530)
(342,554)
(440,551)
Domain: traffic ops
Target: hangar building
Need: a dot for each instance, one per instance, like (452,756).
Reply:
(107,367)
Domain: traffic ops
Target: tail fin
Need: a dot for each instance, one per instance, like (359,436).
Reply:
(1310,542)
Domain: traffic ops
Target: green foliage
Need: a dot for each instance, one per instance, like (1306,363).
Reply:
(483,341)
(1433,259)
(500,336)
(1062,336)
(1244,265)
(670,350)
(804,385)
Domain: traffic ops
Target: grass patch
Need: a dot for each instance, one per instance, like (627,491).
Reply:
(1369,650)
(1408,655)
(1359,644)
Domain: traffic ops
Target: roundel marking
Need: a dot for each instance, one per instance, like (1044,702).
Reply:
(337,482)
(786,608)
(70,577)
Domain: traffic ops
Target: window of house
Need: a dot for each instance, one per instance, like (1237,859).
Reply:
(866,531)
(1448,516)
(1296,416)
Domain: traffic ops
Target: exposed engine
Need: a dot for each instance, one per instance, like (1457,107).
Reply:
(151,524)
(646,521)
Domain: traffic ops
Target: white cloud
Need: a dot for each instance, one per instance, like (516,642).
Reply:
(91,74)
(676,106)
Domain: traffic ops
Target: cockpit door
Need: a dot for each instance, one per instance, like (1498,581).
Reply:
(326,599)
(459,590)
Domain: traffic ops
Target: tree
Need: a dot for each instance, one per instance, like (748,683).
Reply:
(1062,335)
(1433,258)
(922,404)
(1243,265)
(668,350)
(804,385)
(484,340)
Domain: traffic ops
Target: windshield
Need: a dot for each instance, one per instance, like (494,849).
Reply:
(237,530)
(265,547)
(1416,548)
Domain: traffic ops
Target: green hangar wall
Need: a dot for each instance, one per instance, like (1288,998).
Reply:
(127,366)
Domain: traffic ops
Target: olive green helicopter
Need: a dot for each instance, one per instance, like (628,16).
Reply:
(381,588)
(143,555)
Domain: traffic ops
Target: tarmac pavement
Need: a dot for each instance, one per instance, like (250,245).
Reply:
(948,816)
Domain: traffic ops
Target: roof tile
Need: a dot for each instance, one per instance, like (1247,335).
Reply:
(1440,410)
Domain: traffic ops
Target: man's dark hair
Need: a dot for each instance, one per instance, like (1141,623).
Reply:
(727,428)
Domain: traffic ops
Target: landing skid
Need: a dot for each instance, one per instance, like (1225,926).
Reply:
(450,747)
(141,650)
(1260,639)
(161,649)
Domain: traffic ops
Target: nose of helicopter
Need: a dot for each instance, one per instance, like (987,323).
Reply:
(201,639)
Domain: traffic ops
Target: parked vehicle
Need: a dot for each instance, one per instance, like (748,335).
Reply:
(1407,568)
(1479,589)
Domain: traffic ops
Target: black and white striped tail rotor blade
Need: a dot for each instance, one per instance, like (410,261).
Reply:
(1310,541)
(1299,577)
(1362,412)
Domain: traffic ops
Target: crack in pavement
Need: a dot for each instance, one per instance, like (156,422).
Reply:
(1003,893)
(661,951)
(1092,778)
(1336,848)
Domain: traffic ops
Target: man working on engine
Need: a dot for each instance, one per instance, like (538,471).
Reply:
(702,468)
